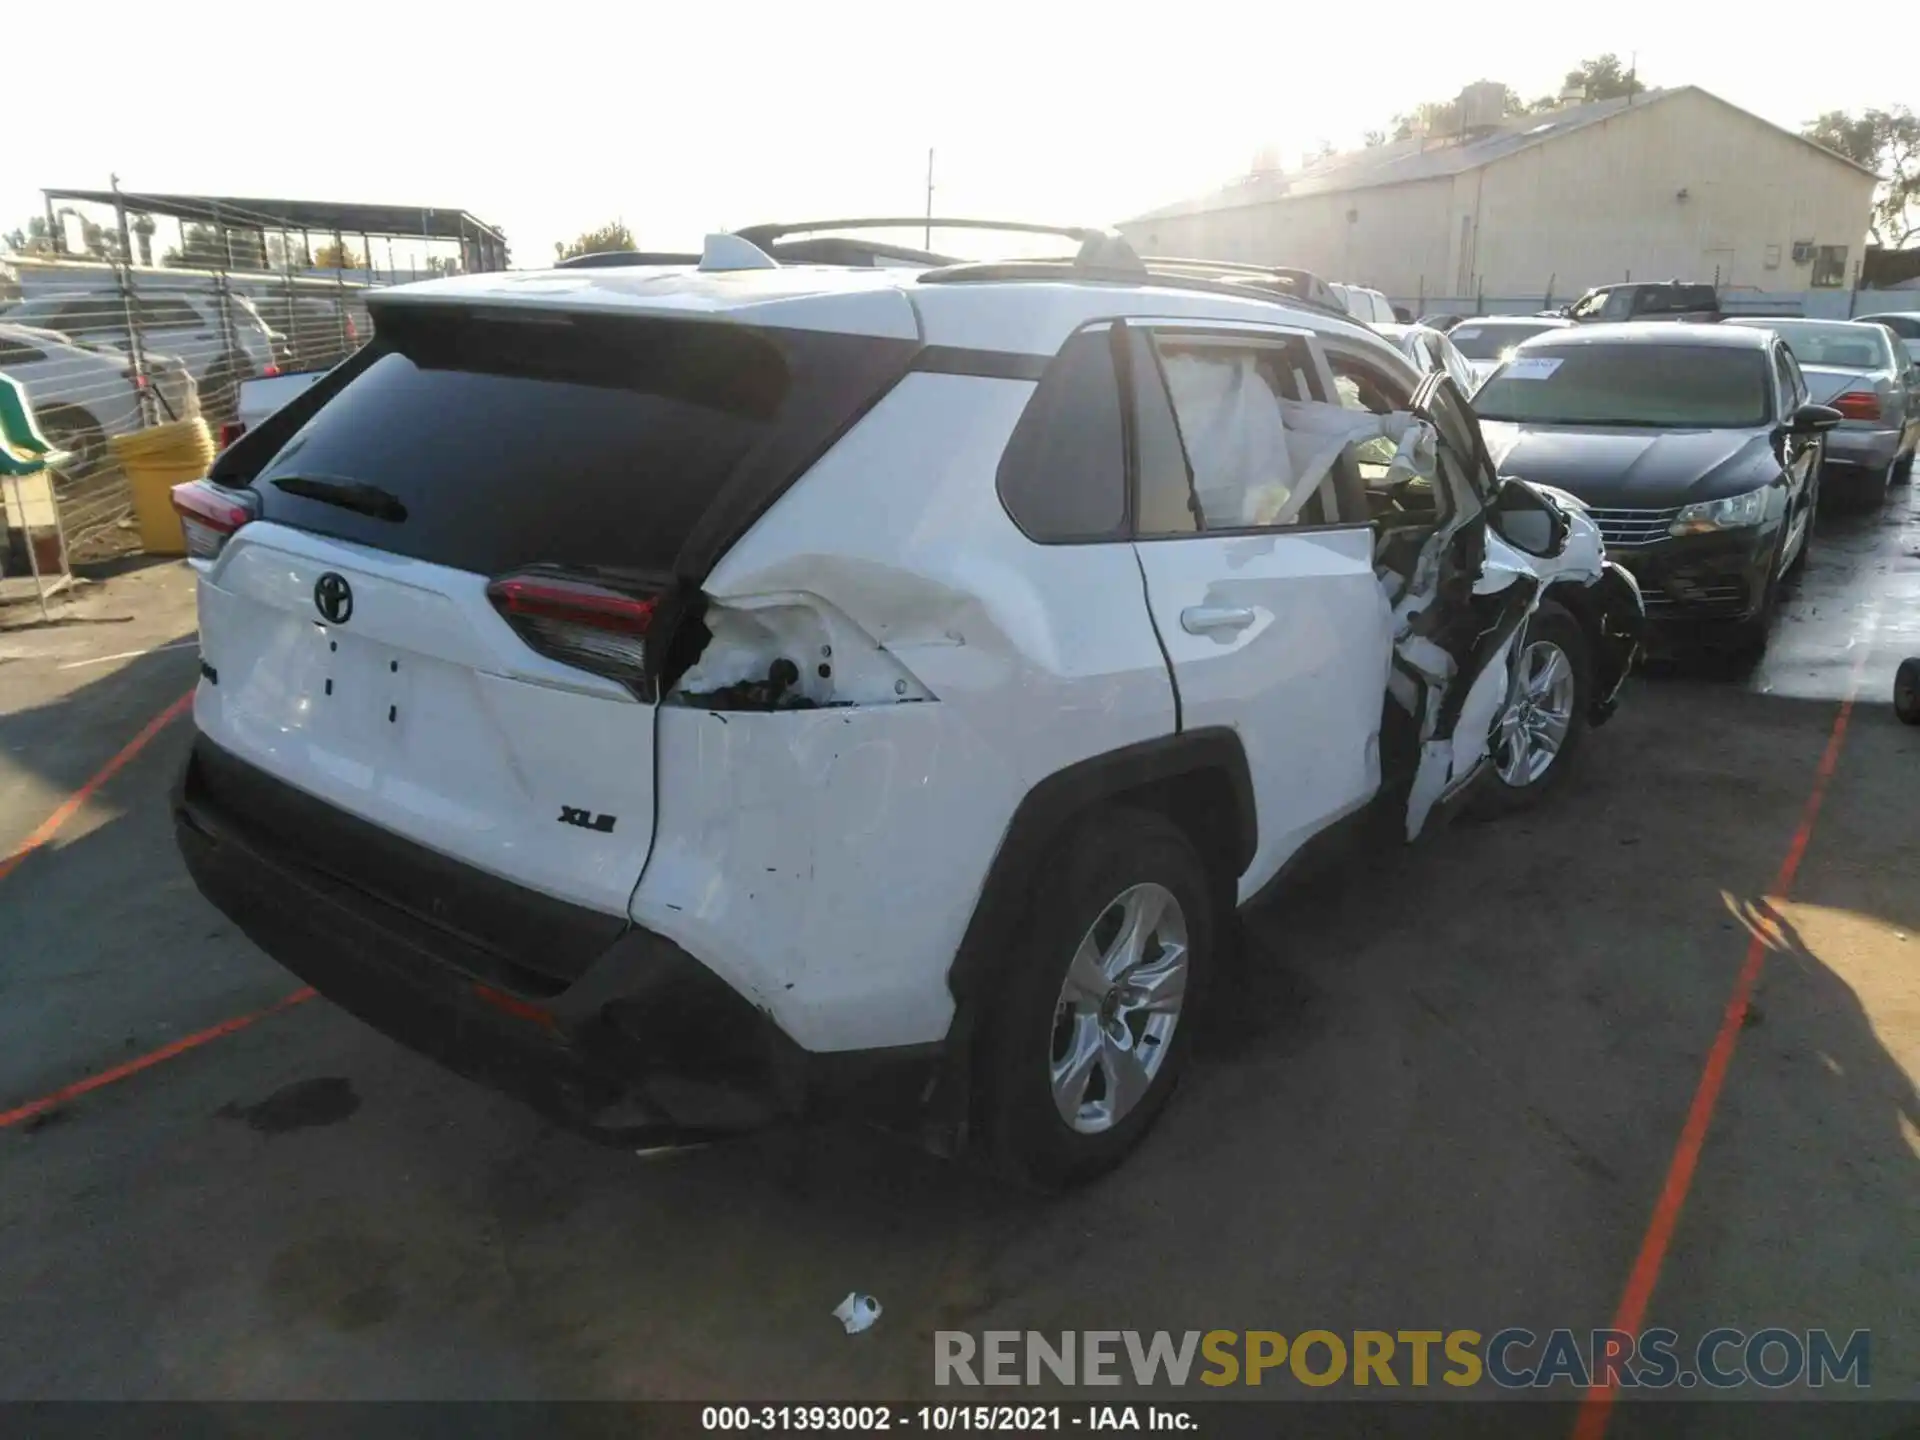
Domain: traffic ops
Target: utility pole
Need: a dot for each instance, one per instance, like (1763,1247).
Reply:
(926,241)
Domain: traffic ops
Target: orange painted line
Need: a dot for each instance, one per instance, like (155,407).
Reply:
(71,805)
(148,1061)
(1597,1405)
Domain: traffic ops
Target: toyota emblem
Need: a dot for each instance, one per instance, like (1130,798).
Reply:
(333,597)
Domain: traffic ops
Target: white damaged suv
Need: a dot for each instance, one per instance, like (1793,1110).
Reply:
(691,696)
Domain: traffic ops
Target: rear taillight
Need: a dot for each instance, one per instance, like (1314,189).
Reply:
(209,514)
(1858,405)
(231,431)
(271,371)
(353,332)
(580,623)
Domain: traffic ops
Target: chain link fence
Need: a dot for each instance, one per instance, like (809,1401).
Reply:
(104,349)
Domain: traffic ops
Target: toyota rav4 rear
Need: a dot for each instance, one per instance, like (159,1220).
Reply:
(690,697)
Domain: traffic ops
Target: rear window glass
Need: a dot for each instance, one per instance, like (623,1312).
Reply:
(1840,344)
(1490,342)
(1658,386)
(581,441)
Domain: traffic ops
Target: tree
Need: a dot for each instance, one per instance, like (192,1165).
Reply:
(199,249)
(1887,141)
(36,239)
(1374,139)
(1434,117)
(284,254)
(94,239)
(1604,78)
(336,257)
(612,236)
(143,228)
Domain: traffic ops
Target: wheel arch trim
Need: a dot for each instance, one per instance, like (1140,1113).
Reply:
(1050,808)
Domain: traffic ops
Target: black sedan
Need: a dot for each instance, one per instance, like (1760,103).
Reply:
(1694,448)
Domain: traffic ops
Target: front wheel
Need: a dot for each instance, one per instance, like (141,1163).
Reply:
(1546,715)
(1092,1031)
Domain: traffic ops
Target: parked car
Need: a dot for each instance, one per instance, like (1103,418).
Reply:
(1487,340)
(321,330)
(587,702)
(83,395)
(181,322)
(1864,372)
(1432,352)
(1369,307)
(1905,326)
(1695,448)
(1657,300)
(260,398)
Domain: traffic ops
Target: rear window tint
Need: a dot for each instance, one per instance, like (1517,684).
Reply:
(582,441)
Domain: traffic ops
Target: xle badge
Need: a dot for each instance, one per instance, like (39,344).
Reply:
(586,819)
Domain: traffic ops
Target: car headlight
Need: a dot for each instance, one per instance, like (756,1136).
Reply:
(1735,512)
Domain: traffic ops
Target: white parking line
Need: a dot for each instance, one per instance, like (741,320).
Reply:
(126,655)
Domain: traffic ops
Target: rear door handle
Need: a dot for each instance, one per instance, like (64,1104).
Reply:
(1205,619)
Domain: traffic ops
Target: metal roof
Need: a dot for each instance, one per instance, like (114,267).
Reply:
(1432,158)
(320,217)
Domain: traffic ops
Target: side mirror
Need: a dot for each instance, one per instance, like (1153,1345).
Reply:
(1527,519)
(1814,420)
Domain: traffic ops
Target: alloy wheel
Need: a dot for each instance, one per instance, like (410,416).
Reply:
(1113,1023)
(1533,729)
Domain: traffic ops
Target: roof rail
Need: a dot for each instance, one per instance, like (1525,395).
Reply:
(1303,285)
(1100,249)
(608,259)
(1194,262)
(761,235)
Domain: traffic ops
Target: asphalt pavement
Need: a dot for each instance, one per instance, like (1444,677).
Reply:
(1447,1092)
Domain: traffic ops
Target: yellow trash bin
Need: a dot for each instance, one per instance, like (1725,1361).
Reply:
(155,460)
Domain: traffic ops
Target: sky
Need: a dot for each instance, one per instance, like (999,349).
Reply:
(548,120)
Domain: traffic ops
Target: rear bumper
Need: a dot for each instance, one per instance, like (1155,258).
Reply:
(1864,449)
(645,1046)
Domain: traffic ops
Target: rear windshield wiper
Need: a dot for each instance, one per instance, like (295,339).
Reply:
(347,494)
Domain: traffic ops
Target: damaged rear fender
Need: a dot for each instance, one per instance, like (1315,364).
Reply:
(789,651)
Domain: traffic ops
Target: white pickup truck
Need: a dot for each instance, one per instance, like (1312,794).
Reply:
(260,398)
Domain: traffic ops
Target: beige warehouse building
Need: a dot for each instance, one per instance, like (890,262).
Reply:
(1672,184)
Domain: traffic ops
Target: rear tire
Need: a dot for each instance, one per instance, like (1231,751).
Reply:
(1085,1045)
(220,389)
(1906,691)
